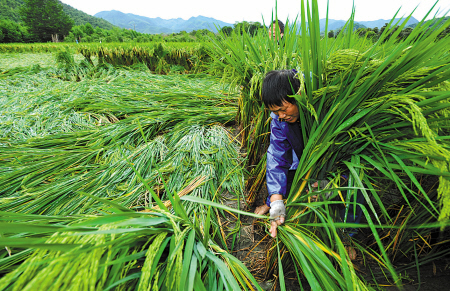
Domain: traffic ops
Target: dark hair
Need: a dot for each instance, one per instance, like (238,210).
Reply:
(277,85)
(280,25)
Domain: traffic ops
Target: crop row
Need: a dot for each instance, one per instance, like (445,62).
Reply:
(159,57)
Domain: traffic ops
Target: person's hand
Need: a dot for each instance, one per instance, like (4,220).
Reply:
(277,215)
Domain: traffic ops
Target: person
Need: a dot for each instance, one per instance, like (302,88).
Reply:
(286,145)
(286,142)
(273,29)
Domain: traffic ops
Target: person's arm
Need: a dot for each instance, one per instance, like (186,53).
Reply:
(279,160)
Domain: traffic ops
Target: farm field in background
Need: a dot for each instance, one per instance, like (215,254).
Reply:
(162,58)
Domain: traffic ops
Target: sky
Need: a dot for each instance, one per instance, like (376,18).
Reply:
(232,11)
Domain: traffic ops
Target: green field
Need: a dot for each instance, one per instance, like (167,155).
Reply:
(119,163)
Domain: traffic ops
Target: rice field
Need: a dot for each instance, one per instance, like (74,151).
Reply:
(126,136)
(114,177)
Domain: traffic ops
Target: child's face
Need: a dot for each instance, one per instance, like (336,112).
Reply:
(287,111)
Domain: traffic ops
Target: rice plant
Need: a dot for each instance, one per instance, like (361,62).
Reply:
(377,111)
(146,134)
(158,57)
(122,250)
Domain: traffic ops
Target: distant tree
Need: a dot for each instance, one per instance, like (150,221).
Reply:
(88,29)
(227,30)
(45,18)
(331,34)
(250,27)
(12,32)
(361,31)
(376,30)
(405,33)
(240,27)
(371,34)
(444,33)
(254,28)
(383,28)
(78,32)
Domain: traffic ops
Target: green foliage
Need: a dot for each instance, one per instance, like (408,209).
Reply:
(153,137)
(226,30)
(45,18)
(9,10)
(95,142)
(13,32)
(249,27)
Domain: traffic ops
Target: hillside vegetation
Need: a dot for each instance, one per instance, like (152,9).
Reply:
(9,10)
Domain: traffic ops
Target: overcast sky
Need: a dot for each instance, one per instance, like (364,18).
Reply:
(231,11)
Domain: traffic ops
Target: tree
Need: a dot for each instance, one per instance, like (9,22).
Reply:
(45,18)
(88,29)
(405,33)
(254,27)
(11,32)
(331,34)
(240,27)
(78,31)
(227,30)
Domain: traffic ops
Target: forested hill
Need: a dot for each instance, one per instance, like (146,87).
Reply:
(81,18)
(432,22)
(9,9)
(158,25)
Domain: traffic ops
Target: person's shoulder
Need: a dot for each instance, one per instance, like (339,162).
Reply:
(274,116)
(278,123)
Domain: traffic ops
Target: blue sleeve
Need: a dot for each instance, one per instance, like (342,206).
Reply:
(279,159)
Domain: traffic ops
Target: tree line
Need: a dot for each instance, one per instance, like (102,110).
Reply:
(375,33)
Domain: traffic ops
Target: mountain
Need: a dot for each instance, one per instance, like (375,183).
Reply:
(338,24)
(381,22)
(81,18)
(332,24)
(158,25)
(9,9)
(432,22)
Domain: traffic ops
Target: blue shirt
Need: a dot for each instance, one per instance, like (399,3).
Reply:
(286,145)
